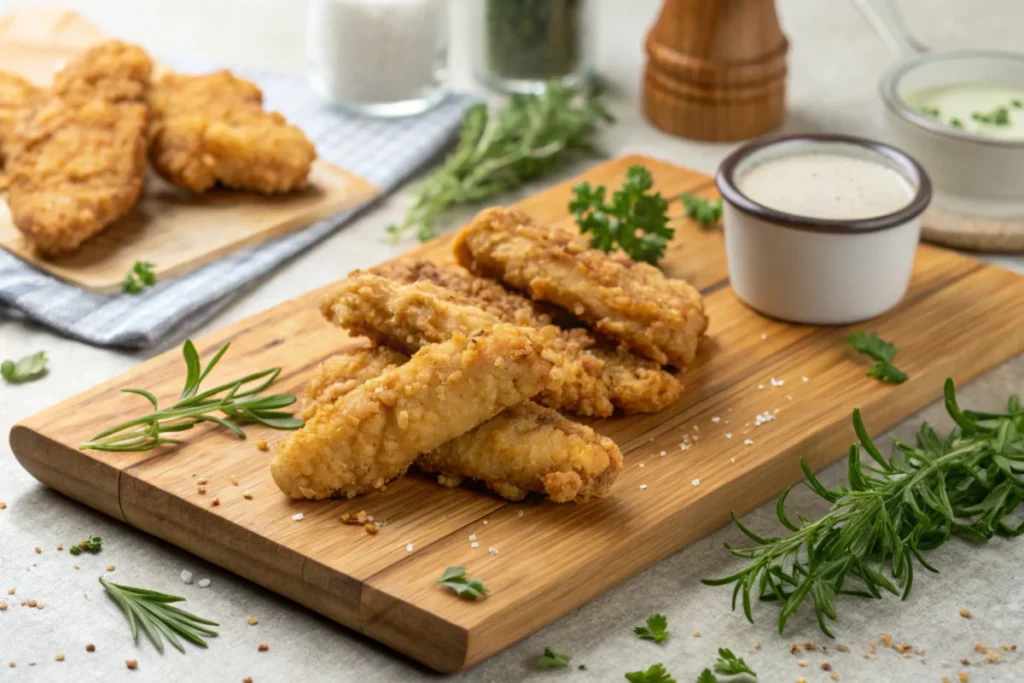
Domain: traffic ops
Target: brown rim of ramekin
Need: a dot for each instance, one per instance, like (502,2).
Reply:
(727,187)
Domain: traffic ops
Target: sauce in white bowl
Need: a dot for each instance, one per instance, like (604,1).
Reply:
(821,229)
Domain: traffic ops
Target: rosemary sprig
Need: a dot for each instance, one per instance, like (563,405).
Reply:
(523,140)
(158,618)
(888,513)
(236,400)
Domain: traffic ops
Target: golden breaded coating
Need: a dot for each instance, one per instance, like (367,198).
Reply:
(81,159)
(633,384)
(213,129)
(584,381)
(523,449)
(408,317)
(633,303)
(527,449)
(374,433)
(16,98)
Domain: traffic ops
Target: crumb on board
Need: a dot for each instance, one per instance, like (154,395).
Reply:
(60,547)
(801,680)
(963,677)
(842,648)
(203,583)
(834,676)
(263,647)
(252,621)
(247,494)
(298,517)
(132,664)
(262,445)
(59,657)
(247,679)
(966,614)
(90,648)
(696,634)
(111,567)
(201,481)
(358,519)
(371,529)
(757,646)
(201,490)
(825,666)
(215,502)
(3,505)
(801,663)
(234,481)
(38,550)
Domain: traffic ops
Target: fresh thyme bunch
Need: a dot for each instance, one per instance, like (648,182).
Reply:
(888,513)
(523,140)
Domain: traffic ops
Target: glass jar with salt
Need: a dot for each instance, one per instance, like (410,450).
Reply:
(378,57)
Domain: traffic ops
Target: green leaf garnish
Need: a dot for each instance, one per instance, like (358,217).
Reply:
(707,677)
(238,401)
(881,351)
(729,664)
(656,629)
(25,369)
(635,220)
(139,277)
(158,618)
(90,545)
(455,578)
(654,674)
(526,139)
(887,513)
(705,212)
(552,660)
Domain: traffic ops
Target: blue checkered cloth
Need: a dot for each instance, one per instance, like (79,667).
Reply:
(382,151)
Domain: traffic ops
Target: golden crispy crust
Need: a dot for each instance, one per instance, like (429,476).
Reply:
(632,384)
(527,449)
(373,433)
(213,129)
(633,303)
(523,449)
(80,162)
(16,98)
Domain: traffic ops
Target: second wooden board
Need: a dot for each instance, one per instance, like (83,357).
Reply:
(174,229)
(702,457)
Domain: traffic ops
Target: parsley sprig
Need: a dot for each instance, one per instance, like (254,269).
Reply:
(888,513)
(91,545)
(238,401)
(729,664)
(139,277)
(635,220)
(455,578)
(704,212)
(653,674)
(526,139)
(158,618)
(552,660)
(655,630)
(25,369)
(881,351)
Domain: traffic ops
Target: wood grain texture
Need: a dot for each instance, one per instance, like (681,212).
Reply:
(174,229)
(975,233)
(716,69)
(554,557)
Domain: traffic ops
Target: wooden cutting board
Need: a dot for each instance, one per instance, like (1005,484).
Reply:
(959,318)
(174,229)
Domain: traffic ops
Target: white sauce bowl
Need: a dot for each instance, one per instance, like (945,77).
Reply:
(973,174)
(819,271)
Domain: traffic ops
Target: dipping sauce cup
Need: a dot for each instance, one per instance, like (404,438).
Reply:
(821,229)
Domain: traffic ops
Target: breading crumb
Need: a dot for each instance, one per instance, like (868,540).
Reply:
(247,495)
(262,446)
(696,634)
(90,648)
(263,647)
(842,648)
(963,677)
(965,614)
(371,529)
(757,646)
(252,621)
(38,550)
(3,505)
(132,664)
(201,481)
(3,606)
(111,567)
(60,547)
(980,647)
(59,657)
(825,666)
(215,502)
(234,482)
(886,639)
(834,676)
(801,663)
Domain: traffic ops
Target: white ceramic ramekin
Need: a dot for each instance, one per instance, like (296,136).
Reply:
(812,270)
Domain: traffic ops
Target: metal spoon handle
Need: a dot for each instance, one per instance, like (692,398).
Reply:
(885,18)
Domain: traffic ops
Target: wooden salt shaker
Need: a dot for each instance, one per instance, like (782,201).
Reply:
(716,69)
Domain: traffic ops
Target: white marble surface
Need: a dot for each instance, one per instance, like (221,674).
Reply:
(835,62)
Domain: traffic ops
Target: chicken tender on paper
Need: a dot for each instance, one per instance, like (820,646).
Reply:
(633,303)
(213,129)
(634,384)
(16,98)
(80,160)
(584,381)
(374,433)
(523,449)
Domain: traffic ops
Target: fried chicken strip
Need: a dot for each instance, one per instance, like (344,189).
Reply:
(523,449)
(213,129)
(634,384)
(80,160)
(408,317)
(634,303)
(16,98)
(374,433)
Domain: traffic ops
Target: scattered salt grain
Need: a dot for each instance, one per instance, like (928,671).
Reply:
(643,487)
(777,382)
(640,465)
(762,418)
(788,397)
(760,386)
(520,513)
(662,453)
(732,459)
(728,435)
(695,482)
(408,547)
(204,583)
(748,442)
(298,516)
(492,550)
(474,544)
(696,428)
(716,419)
(485,522)
(763,336)
(472,537)
(186,576)
(805,378)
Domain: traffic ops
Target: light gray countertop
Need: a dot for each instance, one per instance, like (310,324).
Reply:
(835,63)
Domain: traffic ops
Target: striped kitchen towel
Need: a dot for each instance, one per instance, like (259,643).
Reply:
(382,151)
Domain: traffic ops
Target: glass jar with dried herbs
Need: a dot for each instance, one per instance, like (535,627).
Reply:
(522,44)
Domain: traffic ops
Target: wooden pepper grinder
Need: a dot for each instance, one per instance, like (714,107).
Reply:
(716,69)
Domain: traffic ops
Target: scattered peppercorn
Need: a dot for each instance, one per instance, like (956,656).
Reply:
(90,648)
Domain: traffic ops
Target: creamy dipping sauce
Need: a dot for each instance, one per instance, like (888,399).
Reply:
(965,105)
(826,185)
